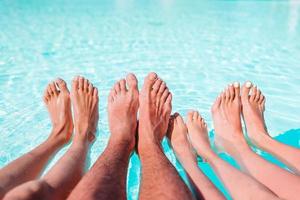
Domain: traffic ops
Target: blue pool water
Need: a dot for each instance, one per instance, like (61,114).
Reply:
(197,47)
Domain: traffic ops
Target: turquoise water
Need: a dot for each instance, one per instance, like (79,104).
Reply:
(197,47)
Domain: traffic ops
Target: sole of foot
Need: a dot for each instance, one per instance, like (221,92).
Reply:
(84,97)
(57,100)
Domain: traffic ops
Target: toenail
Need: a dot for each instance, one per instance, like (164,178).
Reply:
(248,84)
(152,76)
(236,84)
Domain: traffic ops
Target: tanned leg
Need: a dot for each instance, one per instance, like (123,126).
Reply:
(30,165)
(229,136)
(160,179)
(184,151)
(107,178)
(253,113)
(239,185)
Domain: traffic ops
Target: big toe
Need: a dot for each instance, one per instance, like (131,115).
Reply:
(132,82)
(245,91)
(149,81)
(62,85)
(179,120)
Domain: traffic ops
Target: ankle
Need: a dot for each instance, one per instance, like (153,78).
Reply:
(148,147)
(260,139)
(59,136)
(125,143)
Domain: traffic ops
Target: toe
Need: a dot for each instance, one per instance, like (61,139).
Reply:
(123,85)
(261,99)
(190,116)
(149,81)
(160,102)
(95,93)
(201,120)
(168,104)
(117,87)
(236,86)
(46,96)
(199,117)
(62,85)
(86,85)
(80,83)
(49,90)
(195,115)
(53,88)
(156,86)
(227,94)
(161,90)
(262,104)
(258,94)
(223,97)
(253,93)
(204,124)
(179,120)
(216,104)
(75,83)
(245,91)
(132,82)
(231,92)
(164,95)
(90,88)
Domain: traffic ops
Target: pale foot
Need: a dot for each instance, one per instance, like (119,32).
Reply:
(85,106)
(57,100)
(155,109)
(198,134)
(123,104)
(253,106)
(177,134)
(226,113)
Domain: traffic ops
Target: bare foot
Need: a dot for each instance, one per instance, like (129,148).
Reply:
(85,106)
(226,113)
(57,100)
(123,103)
(155,109)
(198,134)
(253,106)
(177,133)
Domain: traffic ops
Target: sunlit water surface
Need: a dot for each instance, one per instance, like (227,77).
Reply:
(196,47)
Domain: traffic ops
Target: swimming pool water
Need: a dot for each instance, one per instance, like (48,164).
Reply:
(197,47)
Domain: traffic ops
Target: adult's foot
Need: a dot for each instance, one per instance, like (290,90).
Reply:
(85,99)
(155,109)
(198,134)
(177,133)
(123,103)
(253,106)
(57,100)
(226,113)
